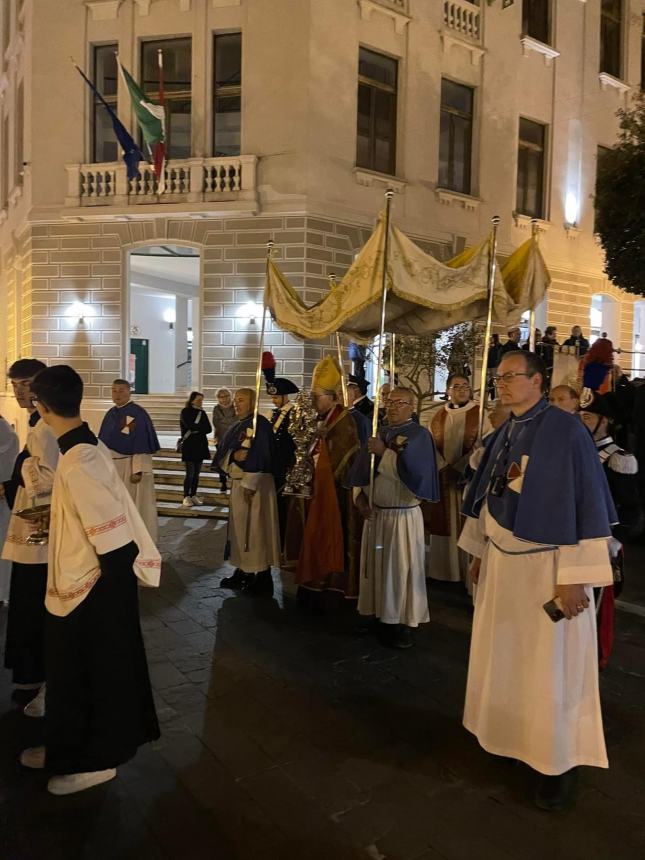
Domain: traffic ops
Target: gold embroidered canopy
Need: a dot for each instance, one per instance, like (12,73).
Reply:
(424,295)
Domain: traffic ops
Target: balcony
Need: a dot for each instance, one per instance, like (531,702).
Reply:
(225,182)
(463,19)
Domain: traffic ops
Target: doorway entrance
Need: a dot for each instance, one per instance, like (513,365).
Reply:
(163,318)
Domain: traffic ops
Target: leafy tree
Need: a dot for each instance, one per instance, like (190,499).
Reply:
(620,192)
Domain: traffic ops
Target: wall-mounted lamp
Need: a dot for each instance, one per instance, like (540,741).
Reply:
(170,317)
(251,311)
(79,311)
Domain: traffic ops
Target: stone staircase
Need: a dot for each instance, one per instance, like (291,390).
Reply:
(169,479)
(164,410)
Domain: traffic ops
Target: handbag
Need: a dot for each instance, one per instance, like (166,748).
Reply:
(180,442)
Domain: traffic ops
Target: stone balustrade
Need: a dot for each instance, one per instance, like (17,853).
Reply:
(191,180)
(463,18)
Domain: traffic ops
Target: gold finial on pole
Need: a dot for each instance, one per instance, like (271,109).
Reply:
(258,373)
(492,270)
(389,194)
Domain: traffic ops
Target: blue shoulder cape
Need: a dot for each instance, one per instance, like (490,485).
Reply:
(416,460)
(262,454)
(363,425)
(564,497)
(137,436)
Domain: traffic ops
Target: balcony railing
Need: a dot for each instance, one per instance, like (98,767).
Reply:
(463,18)
(191,180)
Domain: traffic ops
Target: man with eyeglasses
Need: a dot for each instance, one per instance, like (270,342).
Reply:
(538,524)
(392,581)
(31,484)
(454,428)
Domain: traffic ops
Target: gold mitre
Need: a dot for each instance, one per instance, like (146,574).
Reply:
(326,376)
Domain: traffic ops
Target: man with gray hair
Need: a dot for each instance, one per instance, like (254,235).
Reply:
(392,581)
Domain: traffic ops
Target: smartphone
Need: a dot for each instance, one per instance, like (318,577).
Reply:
(554,609)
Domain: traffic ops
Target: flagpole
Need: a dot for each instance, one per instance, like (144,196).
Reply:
(534,234)
(258,373)
(389,194)
(492,269)
(160,148)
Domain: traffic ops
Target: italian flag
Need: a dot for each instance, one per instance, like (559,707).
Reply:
(152,122)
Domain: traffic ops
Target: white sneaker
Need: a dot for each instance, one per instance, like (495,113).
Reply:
(36,708)
(73,782)
(188,502)
(33,757)
(197,500)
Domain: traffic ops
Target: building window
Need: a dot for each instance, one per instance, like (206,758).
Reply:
(177,78)
(601,152)
(536,21)
(611,35)
(376,135)
(227,95)
(530,169)
(455,136)
(104,143)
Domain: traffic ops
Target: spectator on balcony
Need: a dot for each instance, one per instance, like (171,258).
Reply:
(223,418)
(195,427)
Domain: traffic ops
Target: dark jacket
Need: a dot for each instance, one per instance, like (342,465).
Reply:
(581,344)
(223,418)
(194,448)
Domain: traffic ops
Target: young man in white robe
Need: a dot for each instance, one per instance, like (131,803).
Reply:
(99,702)
(532,692)
(30,484)
(392,573)
(127,430)
(253,528)
(455,430)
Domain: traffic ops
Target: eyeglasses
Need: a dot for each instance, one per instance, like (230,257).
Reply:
(397,403)
(509,377)
(459,388)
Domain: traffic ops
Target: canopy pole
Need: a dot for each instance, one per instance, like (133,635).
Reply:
(343,379)
(258,373)
(535,234)
(389,194)
(492,269)
(392,360)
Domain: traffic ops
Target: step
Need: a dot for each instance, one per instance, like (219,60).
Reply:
(167,454)
(167,509)
(212,500)
(208,481)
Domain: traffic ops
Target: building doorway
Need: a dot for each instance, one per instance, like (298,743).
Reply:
(163,318)
(604,318)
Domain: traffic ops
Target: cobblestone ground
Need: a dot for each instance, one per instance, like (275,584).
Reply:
(287,736)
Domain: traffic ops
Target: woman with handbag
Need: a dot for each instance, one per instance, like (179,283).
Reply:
(193,445)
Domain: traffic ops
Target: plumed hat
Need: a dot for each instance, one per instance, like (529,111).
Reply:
(598,404)
(360,382)
(275,385)
(326,377)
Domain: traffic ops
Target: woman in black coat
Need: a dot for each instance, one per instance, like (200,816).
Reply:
(195,428)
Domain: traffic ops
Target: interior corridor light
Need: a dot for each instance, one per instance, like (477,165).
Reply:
(170,317)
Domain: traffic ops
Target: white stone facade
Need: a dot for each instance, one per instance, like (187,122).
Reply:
(67,226)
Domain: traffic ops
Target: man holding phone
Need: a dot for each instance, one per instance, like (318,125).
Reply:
(532,691)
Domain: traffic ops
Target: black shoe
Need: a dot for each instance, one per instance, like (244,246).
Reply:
(401,637)
(236,580)
(260,584)
(556,793)
(367,625)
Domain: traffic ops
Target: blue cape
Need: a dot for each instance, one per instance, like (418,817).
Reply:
(262,455)
(416,461)
(363,425)
(142,438)
(564,497)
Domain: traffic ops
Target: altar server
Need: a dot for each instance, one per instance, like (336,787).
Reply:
(539,514)
(129,433)
(99,703)
(392,581)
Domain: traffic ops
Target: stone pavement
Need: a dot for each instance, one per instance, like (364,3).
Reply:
(286,736)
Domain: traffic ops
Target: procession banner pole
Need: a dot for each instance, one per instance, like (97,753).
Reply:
(492,269)
(535,234)
(339,351)
(258,373)
(392,360)
(389,194)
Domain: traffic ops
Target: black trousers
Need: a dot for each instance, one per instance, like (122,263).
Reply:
(24,645)
(99,702)
(191,481)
